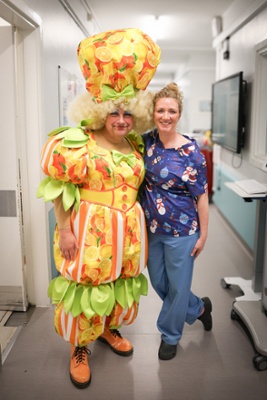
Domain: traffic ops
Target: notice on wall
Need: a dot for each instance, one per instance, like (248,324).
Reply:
(69,86)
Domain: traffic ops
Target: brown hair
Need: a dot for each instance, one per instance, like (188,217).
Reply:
(172,91)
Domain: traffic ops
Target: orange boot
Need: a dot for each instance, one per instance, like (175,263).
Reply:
(116,342)
(79,369)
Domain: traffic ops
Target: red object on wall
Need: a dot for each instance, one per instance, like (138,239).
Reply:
(208,155)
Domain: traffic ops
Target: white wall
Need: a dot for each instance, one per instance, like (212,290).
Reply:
(59,37)
(41,50)
(245,23)
(242,58)
(195,81)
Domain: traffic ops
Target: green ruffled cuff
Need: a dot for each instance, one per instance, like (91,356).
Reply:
(101,299)
(51,188)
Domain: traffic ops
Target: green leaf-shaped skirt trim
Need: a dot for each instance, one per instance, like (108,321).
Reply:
(101,299)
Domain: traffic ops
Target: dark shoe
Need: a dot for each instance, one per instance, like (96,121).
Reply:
(80,374)
(167,351)
(116,342)
(206,317)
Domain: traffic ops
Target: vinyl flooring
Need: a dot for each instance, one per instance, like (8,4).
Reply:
(214,365)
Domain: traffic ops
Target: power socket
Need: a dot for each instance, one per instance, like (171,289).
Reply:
(264,165)
(226,55)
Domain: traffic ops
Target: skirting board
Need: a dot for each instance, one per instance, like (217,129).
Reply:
(11,298)
(8,336)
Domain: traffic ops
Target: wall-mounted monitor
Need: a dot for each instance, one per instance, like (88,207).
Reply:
(228,119)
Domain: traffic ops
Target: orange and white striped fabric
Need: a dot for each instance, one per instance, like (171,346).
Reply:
(112,239)
(81,331)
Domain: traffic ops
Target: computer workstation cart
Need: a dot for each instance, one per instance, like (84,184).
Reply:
(251,308)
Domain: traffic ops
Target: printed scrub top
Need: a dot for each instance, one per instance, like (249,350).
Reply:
(174,177)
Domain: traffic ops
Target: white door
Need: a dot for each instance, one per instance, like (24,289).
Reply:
(12,288)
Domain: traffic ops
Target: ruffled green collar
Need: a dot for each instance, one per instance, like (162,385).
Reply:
(76,137)
(72,137)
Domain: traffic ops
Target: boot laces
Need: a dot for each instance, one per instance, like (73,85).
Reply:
(115,333)
(80,353)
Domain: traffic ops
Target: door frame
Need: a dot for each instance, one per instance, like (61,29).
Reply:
(30,128)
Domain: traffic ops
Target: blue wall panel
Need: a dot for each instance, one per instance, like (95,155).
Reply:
(241,215)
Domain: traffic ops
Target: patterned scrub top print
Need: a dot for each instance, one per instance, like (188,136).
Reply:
(174,177)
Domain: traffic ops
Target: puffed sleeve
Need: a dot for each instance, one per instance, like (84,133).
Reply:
(64,161)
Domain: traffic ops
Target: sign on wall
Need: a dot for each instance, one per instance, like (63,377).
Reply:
(69,87)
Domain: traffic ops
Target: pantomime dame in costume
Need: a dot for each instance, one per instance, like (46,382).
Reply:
(93,173)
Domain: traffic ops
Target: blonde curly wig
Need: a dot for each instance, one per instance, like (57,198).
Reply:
(141,107)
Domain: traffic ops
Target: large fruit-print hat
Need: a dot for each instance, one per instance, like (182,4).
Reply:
(118,63)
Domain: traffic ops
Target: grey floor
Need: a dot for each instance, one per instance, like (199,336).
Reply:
(214,365)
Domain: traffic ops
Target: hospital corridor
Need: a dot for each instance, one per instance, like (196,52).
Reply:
(118,118)
(208,365)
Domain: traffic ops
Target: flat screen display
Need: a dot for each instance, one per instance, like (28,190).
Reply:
(227,113)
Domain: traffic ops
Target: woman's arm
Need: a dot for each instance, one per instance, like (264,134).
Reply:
(203,215)
(67,241)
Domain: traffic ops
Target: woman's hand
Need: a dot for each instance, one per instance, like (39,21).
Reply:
(199,246)
(203,213)
(68,244)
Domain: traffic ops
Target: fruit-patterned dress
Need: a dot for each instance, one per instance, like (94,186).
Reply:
(103,285)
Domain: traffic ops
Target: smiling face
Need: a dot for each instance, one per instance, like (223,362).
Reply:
(119,123)
(166,114)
